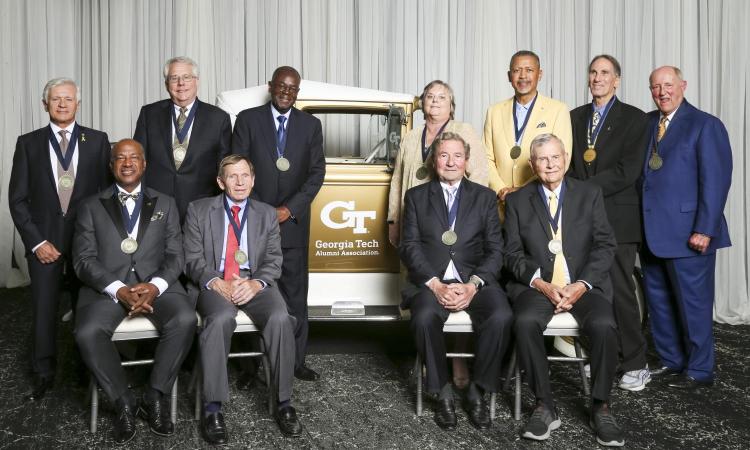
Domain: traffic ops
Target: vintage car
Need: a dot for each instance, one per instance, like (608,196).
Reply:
(354,270)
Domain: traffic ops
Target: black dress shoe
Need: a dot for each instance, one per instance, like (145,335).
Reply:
(41,385)
(286,418)
(478,414)
(213,429)
(688,383)
(124,426)
(156,413)
(305,373)
(664,372)
(445,414)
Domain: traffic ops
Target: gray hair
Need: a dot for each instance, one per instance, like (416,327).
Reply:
(180,59)
(541,140)
(58,82)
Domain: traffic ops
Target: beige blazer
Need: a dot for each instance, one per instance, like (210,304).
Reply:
(409,160)
(548,116)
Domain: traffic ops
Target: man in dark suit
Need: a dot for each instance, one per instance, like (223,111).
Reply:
(233,257)
(452,247)
(54,168)
(127,251)
(559,248)
(684,189)
(608,141)
(286,147)
(184,138)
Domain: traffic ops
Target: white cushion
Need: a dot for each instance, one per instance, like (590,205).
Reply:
(458,322)
(562,320)
(244,323)
(135,324)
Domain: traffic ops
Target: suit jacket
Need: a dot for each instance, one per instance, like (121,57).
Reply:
(689,192)
(32,193)
(204,236)
(588,240)
(479,249)
(255,136)
(548,116)
(209,142)
(618,163)
(409,160)
(97,257)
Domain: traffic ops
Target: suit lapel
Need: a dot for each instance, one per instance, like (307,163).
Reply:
(166,128)
(437,201)
(216,224)
(510,129)
(465,201)
(112,207)
(195,133)
(147,210)
(43,146)
(85,157)
(541,212)
(268,128)
(252,225)
(680,121)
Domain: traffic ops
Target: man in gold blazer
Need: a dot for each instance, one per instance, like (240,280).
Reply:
(511,125)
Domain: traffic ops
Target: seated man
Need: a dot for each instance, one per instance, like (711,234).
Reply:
(233,257)
(559,247)
(127,251)
(452,247)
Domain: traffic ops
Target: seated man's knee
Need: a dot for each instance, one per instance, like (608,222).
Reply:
(88,333)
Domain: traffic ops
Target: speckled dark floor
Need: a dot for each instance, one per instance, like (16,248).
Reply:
(366,400)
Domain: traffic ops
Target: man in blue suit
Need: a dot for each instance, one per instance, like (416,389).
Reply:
(684,186)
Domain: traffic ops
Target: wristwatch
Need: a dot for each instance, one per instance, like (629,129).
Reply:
(477,282)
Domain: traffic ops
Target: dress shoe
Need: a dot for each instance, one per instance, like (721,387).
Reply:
(664,372)
(41,385)
(305,373)
(478,414)
(688,383)
(213,429)
(445,414)
(286,418)
(124,426)
(156,413)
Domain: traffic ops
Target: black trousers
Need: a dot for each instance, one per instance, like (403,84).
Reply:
(629,334)
(492,319)
(293,285)
(533,311)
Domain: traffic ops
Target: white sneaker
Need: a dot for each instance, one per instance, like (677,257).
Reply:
(635,380)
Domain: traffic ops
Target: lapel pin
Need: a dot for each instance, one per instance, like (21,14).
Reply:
(83,137)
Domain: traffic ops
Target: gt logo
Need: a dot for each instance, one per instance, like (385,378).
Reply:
(351,218)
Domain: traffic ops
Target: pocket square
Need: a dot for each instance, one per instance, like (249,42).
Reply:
(542,125)
(157,216)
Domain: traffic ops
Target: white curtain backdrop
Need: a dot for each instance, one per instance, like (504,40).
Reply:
(115,49)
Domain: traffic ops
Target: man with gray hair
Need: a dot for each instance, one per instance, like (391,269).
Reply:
(54,168)
(184,138)
(559,248)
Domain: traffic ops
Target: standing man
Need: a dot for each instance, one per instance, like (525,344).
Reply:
(233,258)
(127,251)
(54,168)
(452,247)
(608,141)
(559,248)
(184,138)
(685,185)
(511,125)
(285,145)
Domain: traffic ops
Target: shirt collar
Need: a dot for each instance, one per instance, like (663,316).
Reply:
(547,192)
(600,109)
(56,129)
(137,189)
(447,186)
(276,114)
(670,116)
(187,108)
(231,203)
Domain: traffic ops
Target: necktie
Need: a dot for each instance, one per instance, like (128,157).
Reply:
(230,265)
(281,135)
(124,196)
(558,271)
(64,193)
(662,128)
(595,120)
(181,119)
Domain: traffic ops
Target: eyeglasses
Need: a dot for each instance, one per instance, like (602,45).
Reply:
(187,78)
(435,98)
(287,88)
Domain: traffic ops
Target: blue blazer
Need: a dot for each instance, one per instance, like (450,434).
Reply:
(688,193)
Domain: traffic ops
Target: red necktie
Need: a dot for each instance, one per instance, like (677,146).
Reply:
(230,265)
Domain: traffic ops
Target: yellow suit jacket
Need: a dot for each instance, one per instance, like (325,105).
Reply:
(548,116)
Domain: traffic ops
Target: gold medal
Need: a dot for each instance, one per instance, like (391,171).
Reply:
(555,246)
(422,173)
(589,155)
(282,164)
(65,181)
(240,257)
(129,246)
(655,162)
(515,152)
(179,153)
(449,237)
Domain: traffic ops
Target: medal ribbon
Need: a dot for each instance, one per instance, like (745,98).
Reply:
(519,131)
(237,229)
(130,219)
(553,221)
(593,134)
(64,160)
(425,149)
(182,134)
